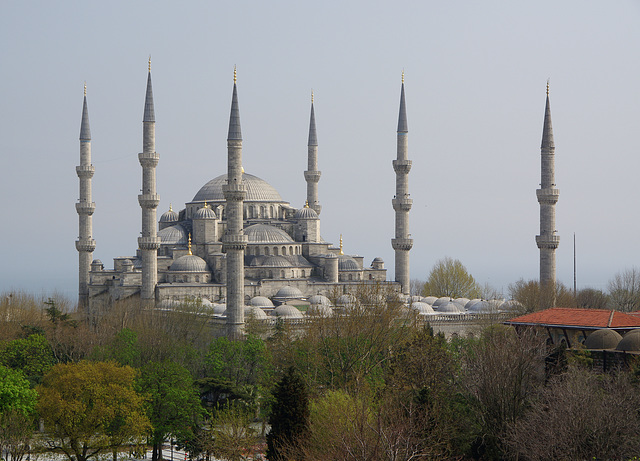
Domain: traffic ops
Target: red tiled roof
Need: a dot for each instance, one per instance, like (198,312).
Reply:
(588,318)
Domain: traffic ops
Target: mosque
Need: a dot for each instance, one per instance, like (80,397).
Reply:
(237,239)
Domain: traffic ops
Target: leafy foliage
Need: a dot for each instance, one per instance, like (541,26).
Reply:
(15,392)
(33,356)
(449,277)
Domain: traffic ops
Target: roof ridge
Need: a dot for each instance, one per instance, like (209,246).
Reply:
(610,319)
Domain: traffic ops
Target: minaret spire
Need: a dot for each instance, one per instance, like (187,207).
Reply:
(149,199)
(402,243)
(312,175)
(234,241)
(548,195)
(85,208)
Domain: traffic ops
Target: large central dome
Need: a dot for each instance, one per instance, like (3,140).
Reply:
(258,190)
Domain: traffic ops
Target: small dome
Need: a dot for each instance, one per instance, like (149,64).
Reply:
(169,216)
(415,299)
(630,342)
(286,311)
(189,263)
(443,300)
(429,299)
(306,213)
(319,300)
(276,261)
(422,308)
(450,308)
(96,261)
(462,301)
(261,301)
(219,309)
(479,306)
(320,310)
(378,259)
(345,300)
(347,263)
(205,213)
(603,339)
(288,292)
(471,303)
(254,312)
(173,235)
(263,233)
(205,302)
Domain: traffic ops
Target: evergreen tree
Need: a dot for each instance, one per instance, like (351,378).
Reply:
(289,417)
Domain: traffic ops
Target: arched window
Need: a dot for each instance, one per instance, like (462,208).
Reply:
(266,251)
(197,279)
(290,250)
(270,274)
(284,251)
(303,274)
(350,277)
(275,251)
(370,277)
(282,273)
(257,252)
(262,211)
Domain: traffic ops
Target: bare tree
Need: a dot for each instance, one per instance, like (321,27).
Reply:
(579,415)
(624,290)
(590,298)
(534,297)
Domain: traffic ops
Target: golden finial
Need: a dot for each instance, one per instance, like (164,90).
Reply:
(311,95)
(242,169)
(190,243)
(341,252)
(548,87)
(235,74)
(170,208)
(149,63)
(403,76)
(85,88)
(206,205)
(306,203)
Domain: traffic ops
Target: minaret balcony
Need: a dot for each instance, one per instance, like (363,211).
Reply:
(234,192)
(148,243)
(549,242)
(85,171)
(402,166)
(548,196)
(312,176)
(148,159)
(402,244)
(234,242)
(85,244)
(149,200)
(86,208)
(402,204)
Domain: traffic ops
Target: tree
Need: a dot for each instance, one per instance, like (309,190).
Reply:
(450,278)
(289,417)
(578,416)
(17,405)
(233,436)
(90,408)
(15,392)
(624,290)
(590,298)
(534,297)
(173,406)
(33,356)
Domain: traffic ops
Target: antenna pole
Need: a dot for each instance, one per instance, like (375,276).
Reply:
(575,291)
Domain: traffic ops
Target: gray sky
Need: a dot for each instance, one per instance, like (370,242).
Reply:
(475,75)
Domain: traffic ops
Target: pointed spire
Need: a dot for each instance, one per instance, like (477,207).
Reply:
(149,113)
(547,131)
(313,137)
(85,131)
(402,117)
(234,120)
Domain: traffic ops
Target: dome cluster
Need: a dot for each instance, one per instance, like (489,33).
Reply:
(607,339)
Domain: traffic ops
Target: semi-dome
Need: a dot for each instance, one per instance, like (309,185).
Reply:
(205,213)
(276,261)
(347,263)
(173,235)
(169,216)
(189,263)
(630,342)
(306,213)
(261,301)
(258,190)
(287,312)
(603,339)
(263,233)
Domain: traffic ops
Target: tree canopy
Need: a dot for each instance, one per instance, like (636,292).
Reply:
(449,277)
(15,392)
(91,408)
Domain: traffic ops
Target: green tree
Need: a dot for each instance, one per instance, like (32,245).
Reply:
(289,418)
(33,356)
(173,406)
(450,278)
(123,349)
(15,392)
(90,408)
(238,362)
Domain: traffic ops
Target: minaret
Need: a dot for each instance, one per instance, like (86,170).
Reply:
(234,241)
(85,208)
(548,195)
(149,241)
(312,175)
(402,244)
